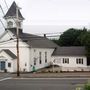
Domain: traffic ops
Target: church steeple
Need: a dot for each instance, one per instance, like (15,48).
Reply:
(11,17)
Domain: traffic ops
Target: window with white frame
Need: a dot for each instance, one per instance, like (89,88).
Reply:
(45,57)
(79,60)
(66,60)
(40,62)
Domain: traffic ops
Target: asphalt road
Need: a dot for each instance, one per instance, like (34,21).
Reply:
(42,84)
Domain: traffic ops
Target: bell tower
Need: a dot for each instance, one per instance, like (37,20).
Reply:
(11,18)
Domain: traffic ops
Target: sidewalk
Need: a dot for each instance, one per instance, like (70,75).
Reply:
(4,75)
(54,75)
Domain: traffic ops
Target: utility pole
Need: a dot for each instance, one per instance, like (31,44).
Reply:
(17,36)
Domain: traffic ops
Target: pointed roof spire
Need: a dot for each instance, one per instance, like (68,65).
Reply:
(12,12)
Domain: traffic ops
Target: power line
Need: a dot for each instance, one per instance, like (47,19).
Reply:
(39,37)
(2,10)
(8,8)
(38,34)
(2,22)
(6,3)
(34,38)
(50,33)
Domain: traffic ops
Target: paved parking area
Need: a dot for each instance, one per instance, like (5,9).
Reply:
(42,84)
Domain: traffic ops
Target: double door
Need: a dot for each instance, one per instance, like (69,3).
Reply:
(2,65)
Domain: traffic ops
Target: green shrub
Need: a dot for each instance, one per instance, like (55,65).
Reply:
(87,87)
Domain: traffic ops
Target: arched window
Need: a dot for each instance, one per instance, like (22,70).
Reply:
(10,24)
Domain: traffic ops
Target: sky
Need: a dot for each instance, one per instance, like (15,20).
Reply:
(50,16)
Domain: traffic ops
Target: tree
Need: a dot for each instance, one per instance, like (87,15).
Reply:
(78,41)
(69,37)
(86,42)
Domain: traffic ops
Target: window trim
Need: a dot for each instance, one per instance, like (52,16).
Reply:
(65,60)
(79,60)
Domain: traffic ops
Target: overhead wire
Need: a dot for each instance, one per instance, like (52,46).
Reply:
(38,34)
(8,8)
(2,22)
(6,3)
(49,33)
(37,38)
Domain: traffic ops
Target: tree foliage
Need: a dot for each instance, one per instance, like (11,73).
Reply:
(71,37)
(86,42)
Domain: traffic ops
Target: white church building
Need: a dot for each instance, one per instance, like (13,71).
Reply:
(35,52)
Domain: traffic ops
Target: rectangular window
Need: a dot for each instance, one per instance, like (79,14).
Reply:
(45,57)
(79,60)
(25,64)
(82,60)
(66,60)
(9,64)
(34,61)
(63,60)
(40,58)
